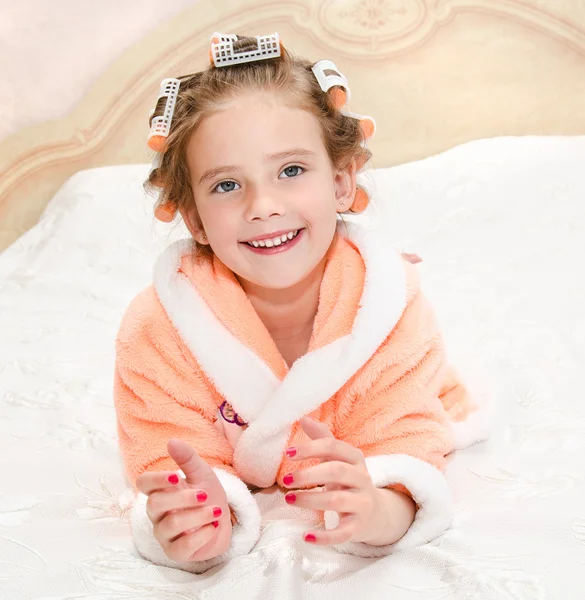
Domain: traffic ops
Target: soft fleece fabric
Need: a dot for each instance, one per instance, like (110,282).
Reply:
(376,373)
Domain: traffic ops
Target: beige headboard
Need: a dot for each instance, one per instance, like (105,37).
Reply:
(433,73)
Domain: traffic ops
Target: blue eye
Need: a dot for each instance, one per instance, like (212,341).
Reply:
(224,190)
(293,173)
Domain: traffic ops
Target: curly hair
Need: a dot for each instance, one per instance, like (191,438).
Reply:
(201,93)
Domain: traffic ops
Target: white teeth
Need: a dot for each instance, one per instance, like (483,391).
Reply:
(277,241)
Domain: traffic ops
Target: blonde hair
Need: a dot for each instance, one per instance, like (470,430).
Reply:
(201,93)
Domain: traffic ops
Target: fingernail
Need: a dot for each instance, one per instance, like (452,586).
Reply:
(215,524)
(201,496)
(174,479)
(217,512)
(288,479)
(290,452)
(310,538)
(290,498)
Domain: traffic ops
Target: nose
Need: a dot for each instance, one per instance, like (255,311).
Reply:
(262,204)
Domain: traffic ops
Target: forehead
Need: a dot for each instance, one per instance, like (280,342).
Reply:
(250,126)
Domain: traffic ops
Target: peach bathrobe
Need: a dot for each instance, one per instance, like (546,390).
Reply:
(375,373)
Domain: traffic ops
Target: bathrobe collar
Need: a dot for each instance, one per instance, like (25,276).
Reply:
(240,359)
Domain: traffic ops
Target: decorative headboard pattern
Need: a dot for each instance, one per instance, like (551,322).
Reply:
(433,73)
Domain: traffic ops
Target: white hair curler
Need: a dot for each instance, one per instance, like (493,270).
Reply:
(161,125)
(223,54)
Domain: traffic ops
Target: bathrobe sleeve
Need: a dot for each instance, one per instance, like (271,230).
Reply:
(401,418)
(161,393)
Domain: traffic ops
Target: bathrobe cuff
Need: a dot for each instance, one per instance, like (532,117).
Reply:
(428,488)
(245,532)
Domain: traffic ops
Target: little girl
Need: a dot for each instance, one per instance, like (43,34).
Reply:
(278,345)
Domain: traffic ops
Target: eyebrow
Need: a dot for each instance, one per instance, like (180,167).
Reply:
(211,173)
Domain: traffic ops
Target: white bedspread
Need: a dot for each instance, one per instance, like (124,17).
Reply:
(500,225)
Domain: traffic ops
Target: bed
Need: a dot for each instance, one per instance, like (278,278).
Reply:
(478,169)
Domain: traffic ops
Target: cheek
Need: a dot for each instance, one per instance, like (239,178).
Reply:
(322,208)
(323,199)
(216,217)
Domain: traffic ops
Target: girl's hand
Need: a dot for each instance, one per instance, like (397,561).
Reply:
(190,517)
(363,509)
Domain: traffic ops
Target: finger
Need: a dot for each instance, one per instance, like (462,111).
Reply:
(341,501)
(159,503)
(185,547)
(315,429)
(329,448)
(320,431)
(341,534)
(192,465)
(332,472)
(149,482)
(174,524)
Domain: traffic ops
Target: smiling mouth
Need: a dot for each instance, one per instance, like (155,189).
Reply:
(279,240)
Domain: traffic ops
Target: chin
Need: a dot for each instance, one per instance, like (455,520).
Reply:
(280,281)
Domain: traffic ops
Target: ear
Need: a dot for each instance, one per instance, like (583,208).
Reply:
(194,226)
(345,186)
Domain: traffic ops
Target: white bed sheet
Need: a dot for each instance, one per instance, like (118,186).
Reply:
(500,224)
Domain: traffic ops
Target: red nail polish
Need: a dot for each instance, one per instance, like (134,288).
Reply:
(201,496)
(290,498)
(174,479)
(290,452)
(217,512)
(288,479)
(310,538)
(215,524)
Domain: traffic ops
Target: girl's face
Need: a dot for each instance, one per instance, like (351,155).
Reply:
(266,193)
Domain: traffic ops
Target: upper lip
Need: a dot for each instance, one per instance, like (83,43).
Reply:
(269,236)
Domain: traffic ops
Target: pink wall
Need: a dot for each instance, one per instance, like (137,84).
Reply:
(51,52)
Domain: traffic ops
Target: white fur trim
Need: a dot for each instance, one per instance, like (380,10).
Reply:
(430,491)
(484,393)
(240,376)
(476,428)
(245,533)
(271,407)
